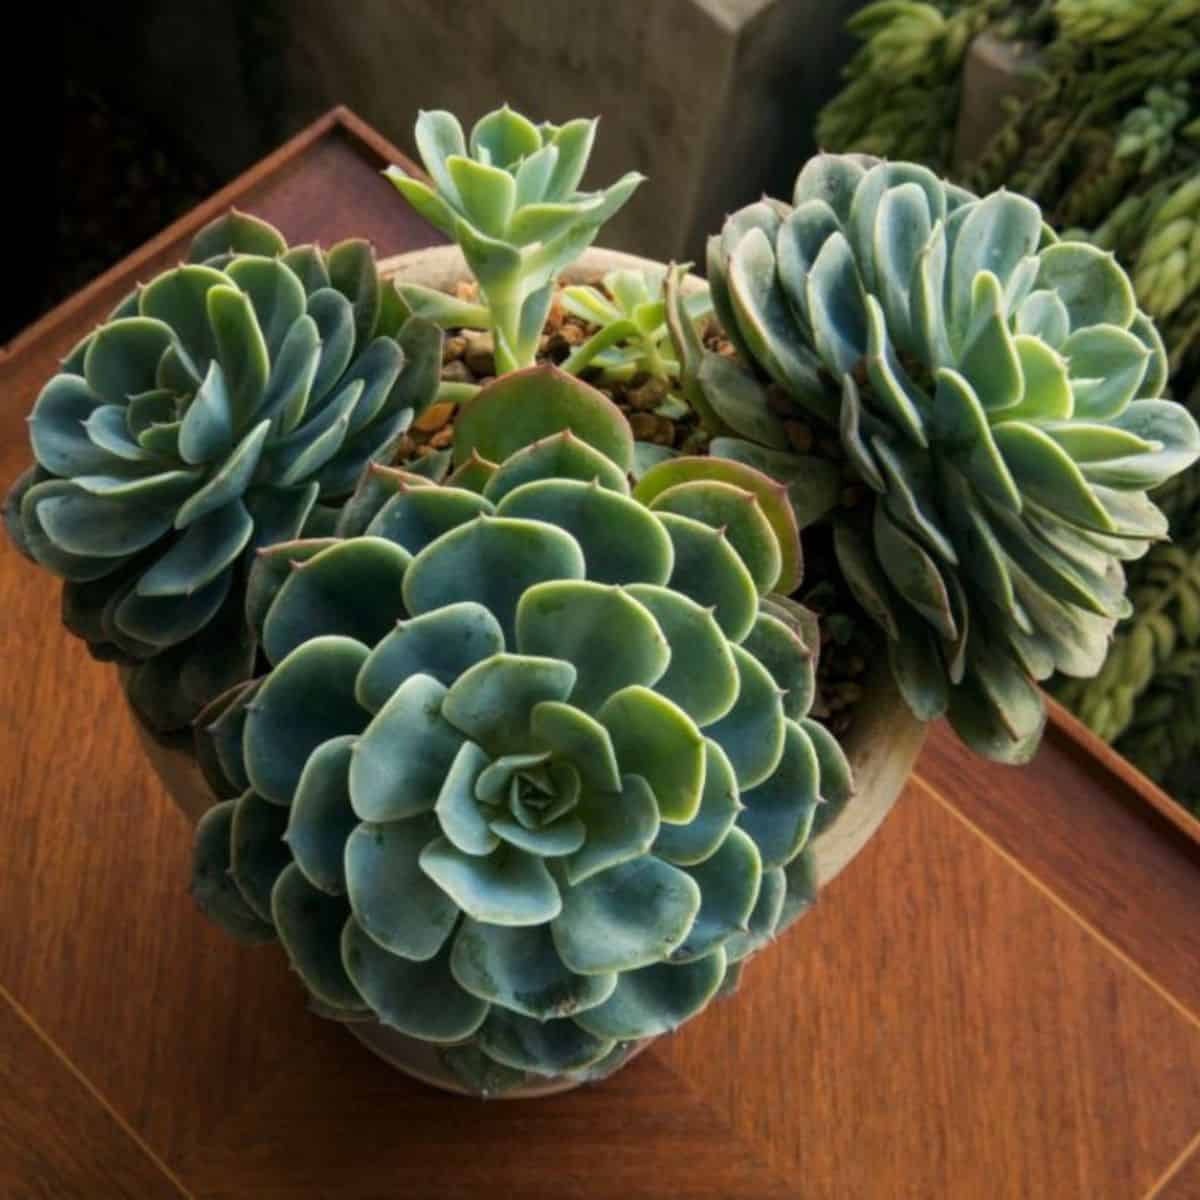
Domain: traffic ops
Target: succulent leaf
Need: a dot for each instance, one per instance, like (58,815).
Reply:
(393,899)
(518,968)
(310,924)
(655,999)
(421,999)
(213,887)
(520,408)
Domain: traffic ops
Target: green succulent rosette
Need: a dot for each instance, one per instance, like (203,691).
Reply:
(997,393)
(531,770)
(212,413)
(508,194)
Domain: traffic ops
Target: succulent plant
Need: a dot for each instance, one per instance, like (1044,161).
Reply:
(509,197)
(631,313)
(1167,271)
(995,391)
(209,415)
(530,769)
(1100,21)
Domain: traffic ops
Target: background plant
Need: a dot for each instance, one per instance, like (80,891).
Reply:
(509,197)
(549,811)
(1106,142)
(213,413)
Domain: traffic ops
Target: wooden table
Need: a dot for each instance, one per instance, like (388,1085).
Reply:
(1000,997)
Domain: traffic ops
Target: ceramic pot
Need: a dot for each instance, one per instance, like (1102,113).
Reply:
(882,746)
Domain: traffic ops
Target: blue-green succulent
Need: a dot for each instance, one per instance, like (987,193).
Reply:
(531,770)
(509,196)
(215,411)
(996,393)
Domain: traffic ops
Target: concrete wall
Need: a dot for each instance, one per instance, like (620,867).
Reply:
(714,100)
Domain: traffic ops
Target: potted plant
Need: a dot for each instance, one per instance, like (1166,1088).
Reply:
(523,768)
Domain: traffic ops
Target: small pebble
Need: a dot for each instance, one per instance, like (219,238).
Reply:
(457,372)
(645,426)
(648,396)
(666,432)
(434,417)
(480,354)
(443,438)
(453,347)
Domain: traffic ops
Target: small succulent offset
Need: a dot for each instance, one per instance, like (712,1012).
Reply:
(531,771)
(631,313)
(509,197)
(206,417)
(996,391)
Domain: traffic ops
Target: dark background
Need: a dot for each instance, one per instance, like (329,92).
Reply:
(125,115)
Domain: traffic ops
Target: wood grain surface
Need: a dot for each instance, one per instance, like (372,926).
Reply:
(998,999)
(58,1140)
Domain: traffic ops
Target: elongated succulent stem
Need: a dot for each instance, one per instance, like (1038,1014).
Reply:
(580,359)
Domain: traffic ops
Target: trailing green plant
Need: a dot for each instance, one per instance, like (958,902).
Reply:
(995,394)
(214,412)
(1163,738)
(1109,133)
(1092,22)
(632,337)
(1164,626)
(508,196)
(901,96)
(530,770)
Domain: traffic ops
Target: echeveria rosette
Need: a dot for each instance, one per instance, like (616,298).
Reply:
(211,414)
(998,393)
(509,196)
(531,769)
